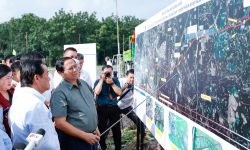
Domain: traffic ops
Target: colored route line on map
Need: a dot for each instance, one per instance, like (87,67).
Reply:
(199,115)
(207,125)
(153,65)
(246,15)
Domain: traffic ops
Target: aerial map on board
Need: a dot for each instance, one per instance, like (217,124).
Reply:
(205,52)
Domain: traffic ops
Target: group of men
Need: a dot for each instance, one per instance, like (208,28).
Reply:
(69,101)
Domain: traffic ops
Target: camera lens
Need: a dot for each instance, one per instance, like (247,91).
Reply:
(107,74)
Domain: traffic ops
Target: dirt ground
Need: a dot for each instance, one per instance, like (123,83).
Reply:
(151,144)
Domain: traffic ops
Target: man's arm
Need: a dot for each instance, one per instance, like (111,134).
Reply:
(63,125)
(115,87)
(98,87)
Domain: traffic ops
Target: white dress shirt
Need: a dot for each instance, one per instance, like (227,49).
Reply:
(127,99)
(85,76)
(47,94)
(27,115)
(57,79)
(109,63)
(13,81)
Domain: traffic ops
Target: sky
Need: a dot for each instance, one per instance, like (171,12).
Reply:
(142,9)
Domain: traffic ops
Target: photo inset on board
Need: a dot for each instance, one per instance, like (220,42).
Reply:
(159,117)
(204,141)
(149,107)
(178,131)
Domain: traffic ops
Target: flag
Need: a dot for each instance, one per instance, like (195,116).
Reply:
(14,52)
(133,38)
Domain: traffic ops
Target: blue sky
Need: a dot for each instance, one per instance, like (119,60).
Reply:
(142,9)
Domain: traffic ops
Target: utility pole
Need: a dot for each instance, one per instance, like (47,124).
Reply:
(123,44)
(79,39)
(118,58)
(26,42)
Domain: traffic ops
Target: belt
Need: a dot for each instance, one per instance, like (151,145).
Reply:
(107,106)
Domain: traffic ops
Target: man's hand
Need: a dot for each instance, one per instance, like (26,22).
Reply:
(47,104)
(109,80)
(13,86)
(91,138)
(97,132)
(102,76)
(125,86)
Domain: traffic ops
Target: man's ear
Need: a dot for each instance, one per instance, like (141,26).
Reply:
(60,73)
(14,73)
(36,78)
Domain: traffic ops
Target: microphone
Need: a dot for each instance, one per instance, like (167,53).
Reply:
(34,139)
(19,146)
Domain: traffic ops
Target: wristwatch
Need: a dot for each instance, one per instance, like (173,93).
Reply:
(112,83)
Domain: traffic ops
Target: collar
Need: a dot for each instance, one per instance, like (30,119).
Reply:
(70,85)
(35,92)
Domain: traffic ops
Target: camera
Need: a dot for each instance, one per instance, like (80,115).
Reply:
(107,74)
(130,86)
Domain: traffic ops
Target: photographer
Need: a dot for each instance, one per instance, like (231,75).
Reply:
(126,98)
(107,90)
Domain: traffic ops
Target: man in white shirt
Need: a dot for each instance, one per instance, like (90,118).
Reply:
(15,67)
(28,114)
(47,94)
(107,59)
(84,74)
(68,52)
(125,103)
(25,57)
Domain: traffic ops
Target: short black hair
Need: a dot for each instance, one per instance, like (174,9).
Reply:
(4,70)
(80,56)
(16,66)
(69,48)
(30,56)
(18,57)
(130,71)
(12,59)
(29,69)
(7,57)
(60,63)
(107,66)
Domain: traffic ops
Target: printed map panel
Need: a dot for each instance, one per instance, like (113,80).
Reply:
(207,50)
(178,131)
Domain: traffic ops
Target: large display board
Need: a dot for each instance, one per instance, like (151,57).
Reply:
(192,62)
(90,61)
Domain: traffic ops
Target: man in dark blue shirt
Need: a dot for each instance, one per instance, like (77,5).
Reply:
(107,90)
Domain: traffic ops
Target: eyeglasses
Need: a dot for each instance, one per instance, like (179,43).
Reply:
(71,69)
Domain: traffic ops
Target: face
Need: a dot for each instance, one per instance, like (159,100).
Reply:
(8,63)
(130,78)
(5,82)
(70,70)
(71,54)
(43,80)
(81,62)
(18,74)
(109,70)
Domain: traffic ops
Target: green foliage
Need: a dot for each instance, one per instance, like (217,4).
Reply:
(64,28)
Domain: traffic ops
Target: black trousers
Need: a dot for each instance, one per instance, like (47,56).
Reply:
(134,118)
(113,115)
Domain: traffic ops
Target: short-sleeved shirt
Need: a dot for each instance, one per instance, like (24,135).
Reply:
(103,98)
(76,104)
